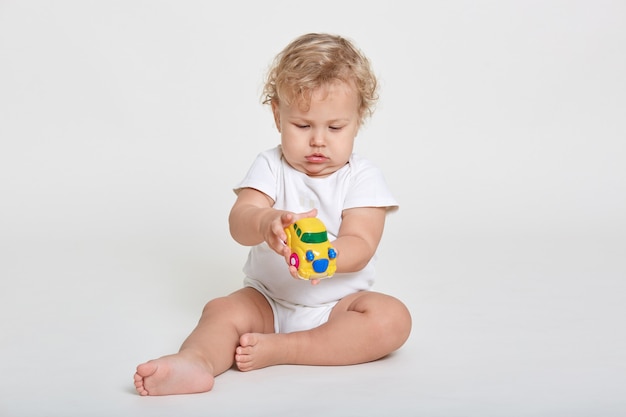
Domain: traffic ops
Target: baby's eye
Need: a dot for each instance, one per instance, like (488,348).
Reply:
(301,126)
(335,127)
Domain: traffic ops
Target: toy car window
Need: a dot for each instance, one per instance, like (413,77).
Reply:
(317,237)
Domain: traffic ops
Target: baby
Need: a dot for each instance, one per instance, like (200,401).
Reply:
(321,89)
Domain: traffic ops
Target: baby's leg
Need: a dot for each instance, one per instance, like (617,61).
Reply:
(361,328)
(209,349)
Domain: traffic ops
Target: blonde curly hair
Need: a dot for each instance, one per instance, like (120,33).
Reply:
(317,59)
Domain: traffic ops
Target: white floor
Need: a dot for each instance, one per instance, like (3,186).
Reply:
(511,328)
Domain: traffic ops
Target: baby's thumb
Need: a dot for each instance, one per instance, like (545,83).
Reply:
(310,213)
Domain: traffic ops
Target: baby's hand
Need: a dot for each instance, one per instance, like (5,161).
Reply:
(294,273)
(274,234)
(286,251)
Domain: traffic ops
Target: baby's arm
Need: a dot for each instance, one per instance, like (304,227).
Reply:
(359,235)
(253,220)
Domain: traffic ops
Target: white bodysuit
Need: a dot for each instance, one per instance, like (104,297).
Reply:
(297,304)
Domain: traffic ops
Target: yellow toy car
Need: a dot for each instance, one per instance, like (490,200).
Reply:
(311,252)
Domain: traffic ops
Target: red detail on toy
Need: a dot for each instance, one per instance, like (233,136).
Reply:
(294,260)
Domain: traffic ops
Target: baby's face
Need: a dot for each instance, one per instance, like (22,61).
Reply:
(319,140)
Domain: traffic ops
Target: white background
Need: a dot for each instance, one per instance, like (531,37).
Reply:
(501,129)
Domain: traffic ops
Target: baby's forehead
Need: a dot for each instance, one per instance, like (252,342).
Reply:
(302,95)
(333,87)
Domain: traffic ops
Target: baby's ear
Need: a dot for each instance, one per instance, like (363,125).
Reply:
(276,113)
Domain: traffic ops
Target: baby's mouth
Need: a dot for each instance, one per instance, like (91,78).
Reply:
(316,158)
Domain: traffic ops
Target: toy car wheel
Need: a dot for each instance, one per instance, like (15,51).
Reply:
(294,260)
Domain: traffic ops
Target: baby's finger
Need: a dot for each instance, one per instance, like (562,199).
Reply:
(286,252)
(310,213)
(294,272)
(286,220)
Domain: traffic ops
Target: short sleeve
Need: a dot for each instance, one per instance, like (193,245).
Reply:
(368,187)
(262,174)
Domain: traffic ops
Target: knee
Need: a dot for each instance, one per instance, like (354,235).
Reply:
(395,322)
(218,305)
(240,311)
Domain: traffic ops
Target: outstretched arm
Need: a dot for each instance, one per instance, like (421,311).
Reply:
(253,220)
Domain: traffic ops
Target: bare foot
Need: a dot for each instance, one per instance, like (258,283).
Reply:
(173,374)
(256,351)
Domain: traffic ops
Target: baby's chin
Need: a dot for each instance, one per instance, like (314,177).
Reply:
(318,170)
(322,173)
